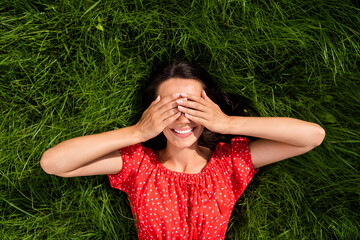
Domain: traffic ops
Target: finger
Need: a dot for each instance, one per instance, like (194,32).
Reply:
(171,119)
(191,104)
(194,98)
(169,113)
(195,119)
(192,112)
(157,99)
(168,106)
(205,96)
(166,100)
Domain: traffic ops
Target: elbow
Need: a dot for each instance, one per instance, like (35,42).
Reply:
(47,162)
(319,135)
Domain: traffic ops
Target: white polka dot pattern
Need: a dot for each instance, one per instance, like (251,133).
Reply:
(174,205)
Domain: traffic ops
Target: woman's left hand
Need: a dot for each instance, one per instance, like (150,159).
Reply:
(204,111)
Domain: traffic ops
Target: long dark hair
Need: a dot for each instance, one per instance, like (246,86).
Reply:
(230,104)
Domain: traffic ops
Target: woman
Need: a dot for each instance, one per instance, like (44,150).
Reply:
(180,189)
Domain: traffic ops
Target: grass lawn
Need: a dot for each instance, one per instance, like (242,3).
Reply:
(71,68)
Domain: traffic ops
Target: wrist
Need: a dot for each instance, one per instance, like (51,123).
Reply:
(137,133)
(232,125)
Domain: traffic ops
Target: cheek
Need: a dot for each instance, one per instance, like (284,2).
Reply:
(200,130)
(168,133)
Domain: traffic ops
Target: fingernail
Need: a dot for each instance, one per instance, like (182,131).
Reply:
(187,115)
(180,101)
(181,108)
(204,92)
(176,95)
(184,94)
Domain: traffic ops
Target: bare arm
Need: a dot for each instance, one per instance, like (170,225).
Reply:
(99,153)
(281,138)
(89,155)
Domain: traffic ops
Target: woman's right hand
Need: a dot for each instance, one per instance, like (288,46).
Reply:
(160,113)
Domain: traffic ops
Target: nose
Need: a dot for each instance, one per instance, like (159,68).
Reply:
(182,119)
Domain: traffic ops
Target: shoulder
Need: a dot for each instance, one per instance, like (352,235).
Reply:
(134,154)
(136,149)
(237,144)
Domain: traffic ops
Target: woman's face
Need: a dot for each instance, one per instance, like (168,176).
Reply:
(182,133)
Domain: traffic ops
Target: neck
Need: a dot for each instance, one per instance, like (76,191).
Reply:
(182,159)
(181,155)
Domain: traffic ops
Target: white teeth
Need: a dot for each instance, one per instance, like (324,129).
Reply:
(183,132)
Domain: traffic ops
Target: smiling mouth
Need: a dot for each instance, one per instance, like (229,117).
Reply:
(183,131)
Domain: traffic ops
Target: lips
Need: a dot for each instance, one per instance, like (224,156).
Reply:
(183,133)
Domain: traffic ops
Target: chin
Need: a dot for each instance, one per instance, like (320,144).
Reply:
(183,138)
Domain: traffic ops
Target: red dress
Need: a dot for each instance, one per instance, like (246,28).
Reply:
(174,205)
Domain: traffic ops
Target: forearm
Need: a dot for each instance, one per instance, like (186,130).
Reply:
(77,152)
(287,130)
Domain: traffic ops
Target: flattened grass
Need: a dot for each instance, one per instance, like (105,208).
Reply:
(78,67)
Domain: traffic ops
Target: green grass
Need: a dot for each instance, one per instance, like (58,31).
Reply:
(70,68)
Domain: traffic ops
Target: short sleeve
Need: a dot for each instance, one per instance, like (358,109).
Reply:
(132,157)
(238,160)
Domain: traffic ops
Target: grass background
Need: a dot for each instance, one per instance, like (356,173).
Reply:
(70,68)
